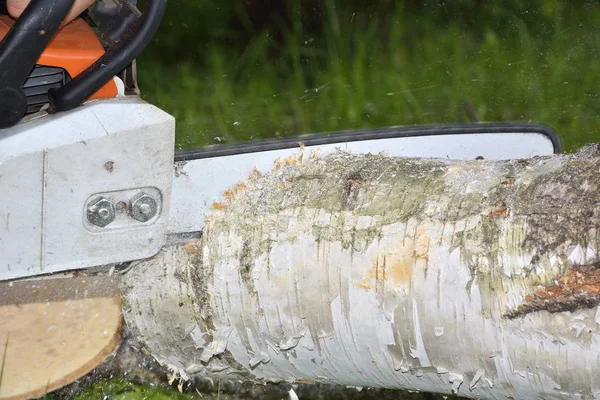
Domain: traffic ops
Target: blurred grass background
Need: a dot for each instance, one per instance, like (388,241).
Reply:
(247,69)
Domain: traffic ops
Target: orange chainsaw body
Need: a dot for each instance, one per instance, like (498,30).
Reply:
(74,48)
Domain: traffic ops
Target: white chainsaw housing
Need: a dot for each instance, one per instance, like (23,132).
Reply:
(53,166)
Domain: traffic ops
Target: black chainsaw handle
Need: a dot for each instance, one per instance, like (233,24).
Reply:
(21,48)
(115,59)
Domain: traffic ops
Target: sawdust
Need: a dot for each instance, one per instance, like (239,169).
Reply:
(218,206)
(240,187)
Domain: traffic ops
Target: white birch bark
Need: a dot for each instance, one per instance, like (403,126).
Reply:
(475,278)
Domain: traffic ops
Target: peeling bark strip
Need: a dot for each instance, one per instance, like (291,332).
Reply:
(399,273)
(578,288)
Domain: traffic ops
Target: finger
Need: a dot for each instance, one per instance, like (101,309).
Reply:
(16,7)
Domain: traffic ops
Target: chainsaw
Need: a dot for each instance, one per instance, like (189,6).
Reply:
(88,172)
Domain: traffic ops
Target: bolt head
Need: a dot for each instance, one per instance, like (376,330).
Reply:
(101,212)
(143,207)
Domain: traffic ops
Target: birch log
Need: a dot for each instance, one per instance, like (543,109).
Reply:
(475,278)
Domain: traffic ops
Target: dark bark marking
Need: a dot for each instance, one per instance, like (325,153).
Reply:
(578,288)
(352,184)
(501,211)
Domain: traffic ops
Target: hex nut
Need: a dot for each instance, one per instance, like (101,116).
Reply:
(101,212)
(143,207)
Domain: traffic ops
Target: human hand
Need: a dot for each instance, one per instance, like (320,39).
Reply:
(16,7)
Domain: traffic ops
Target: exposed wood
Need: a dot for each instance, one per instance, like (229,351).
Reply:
(54,331)
(477,278)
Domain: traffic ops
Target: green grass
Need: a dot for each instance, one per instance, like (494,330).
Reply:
(395,66)
(118,389)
